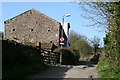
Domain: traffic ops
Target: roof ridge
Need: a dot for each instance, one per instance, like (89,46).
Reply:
(45,15)
(19,15)
(29,11)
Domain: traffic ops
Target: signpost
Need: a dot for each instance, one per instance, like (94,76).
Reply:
(61,39)
(62,43)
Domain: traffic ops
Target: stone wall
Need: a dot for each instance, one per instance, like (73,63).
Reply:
(32,27)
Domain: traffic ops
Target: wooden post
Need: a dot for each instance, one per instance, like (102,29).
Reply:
(41,57)
(61,57)
(40,47)
(49,58)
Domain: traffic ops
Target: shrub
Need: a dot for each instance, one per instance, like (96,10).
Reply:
(105,70)
(68,56)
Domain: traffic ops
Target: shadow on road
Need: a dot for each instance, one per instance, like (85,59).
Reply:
(53,71)
(86,63)
(61,71)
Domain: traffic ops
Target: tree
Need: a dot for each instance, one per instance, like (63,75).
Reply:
(95,42)
(99,12)
(109,15)
(78,43)
(112,40)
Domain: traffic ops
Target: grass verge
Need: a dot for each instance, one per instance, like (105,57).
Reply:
(106,71)
(21,71)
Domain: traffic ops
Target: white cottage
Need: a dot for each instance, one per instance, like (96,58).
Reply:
(66,28)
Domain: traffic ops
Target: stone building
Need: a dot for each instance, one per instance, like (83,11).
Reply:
(32,27)
(1,35)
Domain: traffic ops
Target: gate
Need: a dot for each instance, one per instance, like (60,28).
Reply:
(50,57)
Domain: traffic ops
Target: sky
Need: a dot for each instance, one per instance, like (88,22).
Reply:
(55,10)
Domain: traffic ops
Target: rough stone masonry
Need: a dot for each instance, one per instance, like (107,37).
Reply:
(32,27)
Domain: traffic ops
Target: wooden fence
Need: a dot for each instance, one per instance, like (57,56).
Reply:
(48,56)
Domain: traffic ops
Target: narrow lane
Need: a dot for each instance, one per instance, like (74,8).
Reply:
(68,71)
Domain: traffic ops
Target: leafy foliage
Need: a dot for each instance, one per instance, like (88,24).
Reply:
(95,42)
(112,40)
(106,71)
(108,14)
(79,44)
(68,56)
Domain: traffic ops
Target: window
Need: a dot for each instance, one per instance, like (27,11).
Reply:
(48,30)
(13,30)
(30,12)
(31,29)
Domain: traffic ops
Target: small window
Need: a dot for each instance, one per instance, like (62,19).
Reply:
(13,30)
(31,29)
(30,12)
(48,30)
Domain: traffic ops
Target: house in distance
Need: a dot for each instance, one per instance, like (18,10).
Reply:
(32,27)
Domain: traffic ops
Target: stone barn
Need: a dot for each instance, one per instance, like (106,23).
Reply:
(32,27)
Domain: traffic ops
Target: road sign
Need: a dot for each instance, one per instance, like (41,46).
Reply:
(61,39)
(62,43)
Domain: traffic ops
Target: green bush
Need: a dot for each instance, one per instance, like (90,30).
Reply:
(109,67)
(80,44)
(68,57)
(106,71)
(76,54)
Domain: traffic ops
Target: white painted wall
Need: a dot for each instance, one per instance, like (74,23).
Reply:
(66,30)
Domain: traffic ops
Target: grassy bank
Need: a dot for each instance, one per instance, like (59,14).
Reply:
(19,60)
(106,71)
(20,71)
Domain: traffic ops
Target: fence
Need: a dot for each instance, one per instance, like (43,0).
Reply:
(50,57)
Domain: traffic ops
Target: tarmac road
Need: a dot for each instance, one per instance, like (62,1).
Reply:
(69,71)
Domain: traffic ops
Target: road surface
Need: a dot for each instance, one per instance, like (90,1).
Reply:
(68,71)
